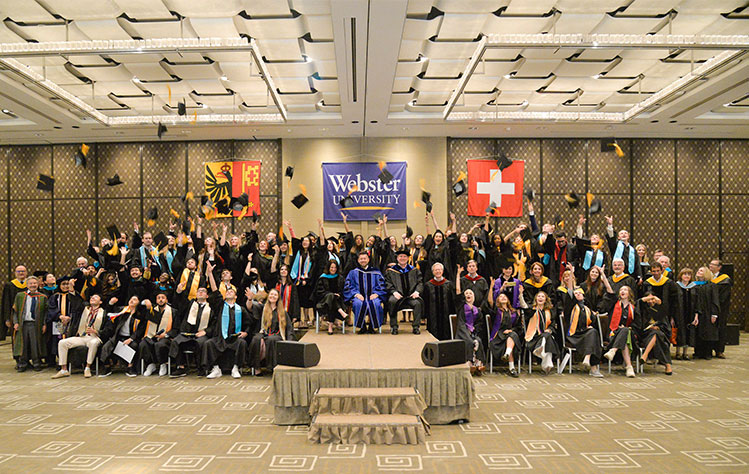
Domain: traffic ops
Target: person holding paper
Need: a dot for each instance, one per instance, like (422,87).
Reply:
(231,325)
(128,331)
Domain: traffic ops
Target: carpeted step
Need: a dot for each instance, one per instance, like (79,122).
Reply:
(367,429)
(367,401)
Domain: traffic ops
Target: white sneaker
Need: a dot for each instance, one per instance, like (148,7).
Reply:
(610,354)
(150,369)
(235,372)
(87,372)
(630,372)
(163,369)
(215,373)
(61,374)
(596,373)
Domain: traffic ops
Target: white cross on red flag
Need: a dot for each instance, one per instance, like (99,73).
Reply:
(487,184)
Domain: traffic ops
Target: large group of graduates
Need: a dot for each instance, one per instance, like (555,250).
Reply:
(148,302)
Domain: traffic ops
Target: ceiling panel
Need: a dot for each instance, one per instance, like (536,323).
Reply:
(619,25)
(46,32)
(98,10)
(713,6)
(104,29)
(167,28)
(569,23)
(271,8)
(650,7)
(445,67)
(28,12)
(214,27)
(470,6)
(530,7)
(631,67)
(517,24)
(420,29)
(537,67)
(461,26)
(588,6)
(580,68)
(205,8)
(144,9)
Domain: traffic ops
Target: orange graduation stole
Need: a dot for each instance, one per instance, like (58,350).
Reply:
(533,324)
(576,316)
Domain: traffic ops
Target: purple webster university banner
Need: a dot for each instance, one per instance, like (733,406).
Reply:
(372,196)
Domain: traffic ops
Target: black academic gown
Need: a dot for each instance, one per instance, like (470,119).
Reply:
(328,297)
(500,322)
(263,344)
(473,332)
(724,284)
(706,303)
(439,301)
(223,341)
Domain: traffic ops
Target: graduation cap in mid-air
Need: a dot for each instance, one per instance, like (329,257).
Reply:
(503,162)
(595,206)
(377,216)
(460,188)
(240,202)
(530,194)
(558,221)
(299,200)
(81,155)
(186,226)
(289,173)
(573,200)
(222,207)
(151,216)
(385,176)
(409,231)
(491,208)
(45,183)
(160,130)
(255,216)
(610,144)
(114,180)
(348,201)
(181,107)
(429,206)
(426,196)
(160,240)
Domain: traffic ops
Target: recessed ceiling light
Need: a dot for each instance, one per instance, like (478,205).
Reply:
(507,76)
(405,128)
(136,80)
(6,111)
(597,76)
(224,78)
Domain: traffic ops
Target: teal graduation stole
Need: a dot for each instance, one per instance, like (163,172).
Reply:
(225,320)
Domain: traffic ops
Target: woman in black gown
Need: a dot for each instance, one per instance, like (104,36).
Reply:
(541,323)
(471,329)
(275,326)
(623,322)
(327,296)
(506,330)
(706,308)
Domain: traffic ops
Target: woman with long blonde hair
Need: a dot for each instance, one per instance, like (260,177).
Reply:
(274,326)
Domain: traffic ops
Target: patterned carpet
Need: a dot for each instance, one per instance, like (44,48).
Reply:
(695,421)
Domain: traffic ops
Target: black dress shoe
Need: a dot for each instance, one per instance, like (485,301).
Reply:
(23,368)
(514,373)
(417,331)
(178,372)
(201,372)
(394,331)
(38,368)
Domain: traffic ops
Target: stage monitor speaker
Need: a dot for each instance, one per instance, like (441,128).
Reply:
(732,334)
(297,354)
(442,353)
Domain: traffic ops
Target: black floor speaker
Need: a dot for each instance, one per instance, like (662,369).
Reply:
(442,353)
(297,354)
(732,334)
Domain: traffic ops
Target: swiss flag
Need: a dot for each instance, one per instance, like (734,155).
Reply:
(486,184)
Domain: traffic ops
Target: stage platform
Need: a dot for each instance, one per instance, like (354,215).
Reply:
(370,361)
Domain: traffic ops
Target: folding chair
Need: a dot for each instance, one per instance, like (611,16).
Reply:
(405,314)
(82,349)
(317,323)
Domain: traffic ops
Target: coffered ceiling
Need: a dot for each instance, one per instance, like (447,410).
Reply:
(112,69)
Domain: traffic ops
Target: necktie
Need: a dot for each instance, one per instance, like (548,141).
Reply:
(91,318)
(33,308)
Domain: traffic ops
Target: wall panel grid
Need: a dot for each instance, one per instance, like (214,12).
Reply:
(687,197)
(153,174)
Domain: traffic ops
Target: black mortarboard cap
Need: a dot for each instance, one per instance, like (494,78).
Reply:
(348,201)
(181,108)
(160,130)
(311,234)
(45,183)
(503,162)
(333,239)
(299,200)
(244,199)
(559,221)
(491,208)
(506,260)
(403,251)
(160,240)
(525,234)
(63,279)
(459,187)
(573,200)
(114,180)
(289,172)
(429,206)
(222,207)
(530,194)
(254,216)
(409,231)
(81,155)
(595,206)
(607,144)
(582,244)
(341,235)
(152,214)
(385,176)
(186,226)
(426,196)
(113,232)
(40,273)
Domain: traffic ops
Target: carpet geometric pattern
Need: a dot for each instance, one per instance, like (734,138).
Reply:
(694,421)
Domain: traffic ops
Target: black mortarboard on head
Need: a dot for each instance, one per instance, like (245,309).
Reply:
(385,176)
(573,200)
(403,251)
(530,194)
(181,108)
(40,273)
(114,180)
(160,130)
(348,201)
(341,235)
(299,200)
(459,187)
(151,216)
(63,279)
(160,240)
(81,155)
(503,162)
(311,234)
(506,260)
(45,183)
(289,173)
